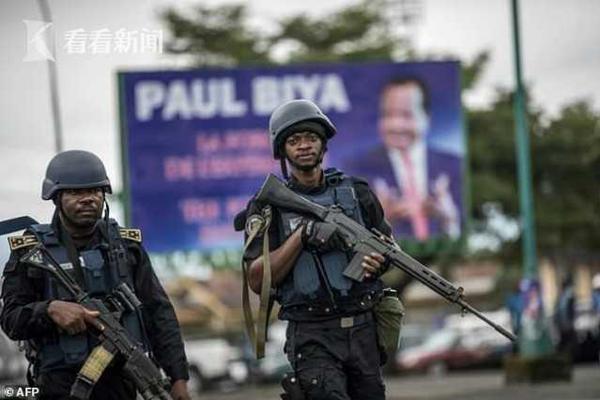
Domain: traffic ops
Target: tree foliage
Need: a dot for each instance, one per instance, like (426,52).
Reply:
(357,33)
(217,36)
(491,149)
(565,162)
(222,36)
(566,171)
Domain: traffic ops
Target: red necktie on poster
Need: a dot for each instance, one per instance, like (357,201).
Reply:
(417,215)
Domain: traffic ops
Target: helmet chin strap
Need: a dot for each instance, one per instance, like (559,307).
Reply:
(102,223)
(59,212)
(323,151)
(284,170)
(106,209)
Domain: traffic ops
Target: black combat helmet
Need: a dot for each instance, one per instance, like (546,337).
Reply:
(291,114)
(74,169)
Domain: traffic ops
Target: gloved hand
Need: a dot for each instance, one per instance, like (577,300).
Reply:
(321,236)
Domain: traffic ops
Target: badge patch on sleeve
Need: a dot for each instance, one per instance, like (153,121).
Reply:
(131,234)
(254,223)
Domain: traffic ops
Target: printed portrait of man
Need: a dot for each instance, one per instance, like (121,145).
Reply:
(417,184)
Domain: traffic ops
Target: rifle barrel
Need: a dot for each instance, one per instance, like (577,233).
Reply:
(494,325)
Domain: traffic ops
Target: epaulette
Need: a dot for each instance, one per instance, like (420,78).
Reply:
(131,234)
(18,242)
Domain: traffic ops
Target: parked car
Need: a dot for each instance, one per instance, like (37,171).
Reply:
(412,335)
(274,365)
(213,362)
(457,345)
(13,365)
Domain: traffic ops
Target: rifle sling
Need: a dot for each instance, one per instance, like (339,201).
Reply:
(257,333)
(91,371)
(73,256)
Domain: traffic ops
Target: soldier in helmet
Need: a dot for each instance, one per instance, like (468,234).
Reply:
(331,338)
(100,256)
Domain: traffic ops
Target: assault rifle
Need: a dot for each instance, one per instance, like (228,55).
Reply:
(363,242)
(113,338)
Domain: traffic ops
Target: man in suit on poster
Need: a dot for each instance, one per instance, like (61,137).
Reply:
(418,185)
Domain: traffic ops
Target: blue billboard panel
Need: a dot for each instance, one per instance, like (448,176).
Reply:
(196,144)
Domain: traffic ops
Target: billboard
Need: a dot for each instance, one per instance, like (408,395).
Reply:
(196,146)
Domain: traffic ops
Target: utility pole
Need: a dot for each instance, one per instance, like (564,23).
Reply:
(534,340)
(53,82)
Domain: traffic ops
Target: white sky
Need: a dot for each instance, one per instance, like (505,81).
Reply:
(561,60)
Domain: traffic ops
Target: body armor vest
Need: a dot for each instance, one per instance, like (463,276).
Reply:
(316,288)
(102,271)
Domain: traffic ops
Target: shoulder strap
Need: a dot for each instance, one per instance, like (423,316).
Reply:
(358,180)
(117,248)
(345,195)
(333,176)
(74,258)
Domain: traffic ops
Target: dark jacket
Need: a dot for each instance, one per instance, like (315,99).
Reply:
(24,314)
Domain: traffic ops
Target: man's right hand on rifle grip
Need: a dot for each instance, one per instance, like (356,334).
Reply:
(321,236)
(71,317)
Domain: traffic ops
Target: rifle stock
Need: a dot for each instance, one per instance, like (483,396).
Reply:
(276,193)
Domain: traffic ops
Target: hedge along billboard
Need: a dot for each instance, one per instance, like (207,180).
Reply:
(196,146)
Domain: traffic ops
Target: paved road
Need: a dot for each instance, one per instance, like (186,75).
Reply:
(478,385)
(474,385)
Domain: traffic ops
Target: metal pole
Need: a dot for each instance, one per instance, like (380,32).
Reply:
(534,340)
(523,159)
(53,81)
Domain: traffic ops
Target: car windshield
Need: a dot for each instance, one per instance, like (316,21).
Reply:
(440,340)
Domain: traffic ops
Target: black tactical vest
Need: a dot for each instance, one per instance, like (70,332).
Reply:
(316,288)
(100,277)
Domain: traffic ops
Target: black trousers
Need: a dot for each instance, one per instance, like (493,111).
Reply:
(56,385)
(332,362)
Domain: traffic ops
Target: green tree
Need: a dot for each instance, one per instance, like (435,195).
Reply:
(565,152)
(359,32)
(493,177)
(222,36)
(566,170)
(491,144)
(217,36)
